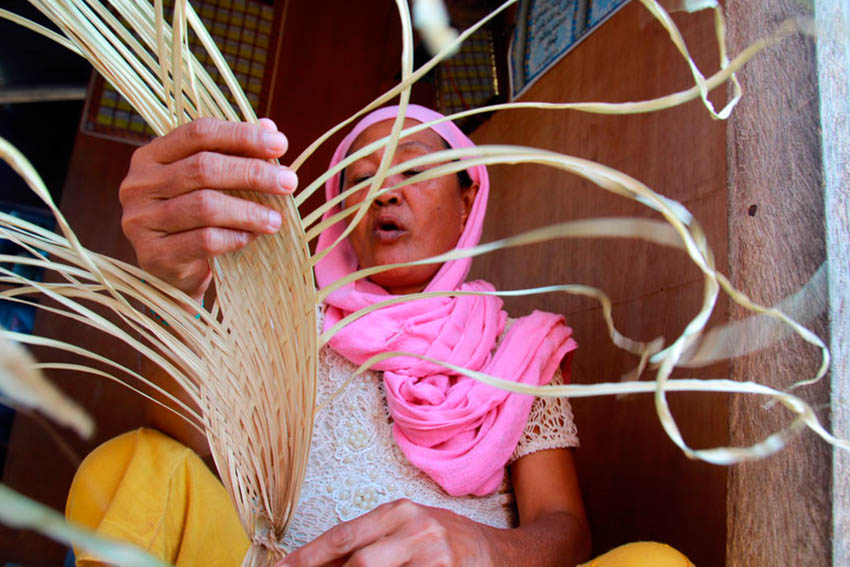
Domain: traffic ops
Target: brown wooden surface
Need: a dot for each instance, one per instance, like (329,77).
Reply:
(779,508)
(636,483)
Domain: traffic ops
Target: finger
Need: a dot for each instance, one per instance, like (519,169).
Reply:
(203,244)
(208,208)
(386,552)
(209,170)
(348,537)
(194,278)
(213,135)
(333,563)
(268,124)
(183,259)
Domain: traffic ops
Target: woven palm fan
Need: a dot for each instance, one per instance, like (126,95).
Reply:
(250,363)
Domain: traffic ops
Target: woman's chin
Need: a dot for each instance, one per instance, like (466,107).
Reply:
(409,279)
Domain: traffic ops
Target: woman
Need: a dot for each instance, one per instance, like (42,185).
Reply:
(456,436)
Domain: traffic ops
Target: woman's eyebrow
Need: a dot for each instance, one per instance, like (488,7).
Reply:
(403,145)
(414,143)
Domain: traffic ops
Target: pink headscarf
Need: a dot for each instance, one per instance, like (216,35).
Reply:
(457,430)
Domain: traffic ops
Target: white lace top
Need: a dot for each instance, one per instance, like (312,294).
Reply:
(355,465)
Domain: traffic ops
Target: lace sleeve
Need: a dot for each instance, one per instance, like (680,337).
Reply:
(550,425)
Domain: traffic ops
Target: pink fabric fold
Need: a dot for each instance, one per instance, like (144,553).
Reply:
(457,430)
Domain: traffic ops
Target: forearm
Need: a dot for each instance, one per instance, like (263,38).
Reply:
(555,538)
(165,420)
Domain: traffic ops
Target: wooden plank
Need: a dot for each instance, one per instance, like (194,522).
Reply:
(833,61)
(778,509)
(636,483)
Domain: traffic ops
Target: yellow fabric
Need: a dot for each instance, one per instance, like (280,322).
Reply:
(641,554)
(147,489)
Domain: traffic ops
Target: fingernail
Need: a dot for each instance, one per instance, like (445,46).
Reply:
(274,142)
(274,220)
(268,123)
(287,179)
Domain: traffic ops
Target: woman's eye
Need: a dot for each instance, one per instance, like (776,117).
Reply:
(361,179)
(412,172)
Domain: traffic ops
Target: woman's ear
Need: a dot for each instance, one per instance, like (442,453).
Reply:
(467,196)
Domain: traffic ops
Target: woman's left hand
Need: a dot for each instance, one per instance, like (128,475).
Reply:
(400,533)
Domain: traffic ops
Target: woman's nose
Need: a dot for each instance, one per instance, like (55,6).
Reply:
(389,198)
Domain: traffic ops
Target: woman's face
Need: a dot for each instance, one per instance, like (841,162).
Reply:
(411,223)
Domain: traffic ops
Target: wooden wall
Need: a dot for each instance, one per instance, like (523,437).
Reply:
(636,483)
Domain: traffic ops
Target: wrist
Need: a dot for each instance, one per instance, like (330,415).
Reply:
(556,538)
(199,292)
(198,298)
(500,545)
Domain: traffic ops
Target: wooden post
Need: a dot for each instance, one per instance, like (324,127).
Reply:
(778,509)
(833,64)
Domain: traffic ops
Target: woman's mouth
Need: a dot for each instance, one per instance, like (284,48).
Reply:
(388,229)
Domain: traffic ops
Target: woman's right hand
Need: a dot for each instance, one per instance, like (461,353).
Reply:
(178,209)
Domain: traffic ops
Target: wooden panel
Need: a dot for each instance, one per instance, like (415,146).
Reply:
(636,483)
(778,511)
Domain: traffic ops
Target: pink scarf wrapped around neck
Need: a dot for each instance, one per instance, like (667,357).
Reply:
(457,430)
